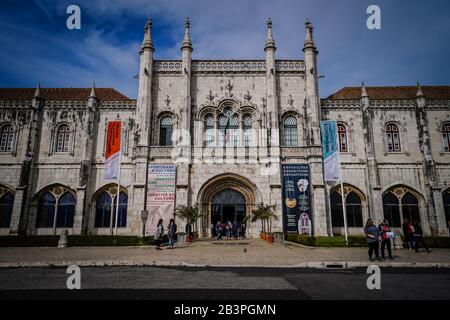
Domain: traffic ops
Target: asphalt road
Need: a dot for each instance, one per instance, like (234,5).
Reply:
(161,283)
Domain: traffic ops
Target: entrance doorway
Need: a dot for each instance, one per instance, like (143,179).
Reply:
(228,205)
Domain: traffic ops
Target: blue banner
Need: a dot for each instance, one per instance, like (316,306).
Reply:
(330,150)
(297,217)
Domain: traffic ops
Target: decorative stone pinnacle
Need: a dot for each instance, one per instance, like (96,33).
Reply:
(419,92)
(37,93)
(93,94)
(148,42)
(270,42)
(309,40)
(363,90)
(187,43)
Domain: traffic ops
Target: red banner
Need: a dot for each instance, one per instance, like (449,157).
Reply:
(112,150)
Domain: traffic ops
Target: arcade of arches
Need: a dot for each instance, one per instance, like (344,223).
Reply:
(399,203)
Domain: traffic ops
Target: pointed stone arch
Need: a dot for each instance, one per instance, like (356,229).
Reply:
(219,183)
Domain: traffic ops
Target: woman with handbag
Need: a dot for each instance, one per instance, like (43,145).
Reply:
(372,234)
(386,235)
(159,234)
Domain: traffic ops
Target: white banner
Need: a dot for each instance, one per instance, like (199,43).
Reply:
(330,150)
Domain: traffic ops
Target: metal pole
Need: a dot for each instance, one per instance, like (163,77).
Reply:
(344,209)
(118,180)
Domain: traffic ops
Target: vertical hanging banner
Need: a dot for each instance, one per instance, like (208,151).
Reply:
(160,195)
(297,215)
(330,150)
(112,150)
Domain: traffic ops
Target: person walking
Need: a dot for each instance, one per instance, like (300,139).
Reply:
(385,235)
(418,236)
(372,235)
(219,230)
(408,233)
(159,234)
(171,232)
(235,229)
(228,228)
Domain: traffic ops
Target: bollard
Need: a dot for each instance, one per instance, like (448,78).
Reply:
(279,238)
(181,239)
(63,239)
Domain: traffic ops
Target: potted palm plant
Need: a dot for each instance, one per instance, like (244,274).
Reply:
(190,215)
(266,214)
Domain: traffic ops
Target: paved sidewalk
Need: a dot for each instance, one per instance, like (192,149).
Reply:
(251,253)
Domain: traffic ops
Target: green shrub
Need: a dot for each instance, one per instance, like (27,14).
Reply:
(75,241)
(29,241)
(336,241)
(437,242)
(357,241)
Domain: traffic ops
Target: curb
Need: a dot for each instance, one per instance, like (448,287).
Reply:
(304,265)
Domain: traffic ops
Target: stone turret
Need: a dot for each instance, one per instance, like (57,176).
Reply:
(271,87)
(312,92)
(144,102)
(185,112)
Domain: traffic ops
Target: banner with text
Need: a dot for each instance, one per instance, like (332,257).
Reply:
(297,214)
(112,152)
(330,150)
(160,195)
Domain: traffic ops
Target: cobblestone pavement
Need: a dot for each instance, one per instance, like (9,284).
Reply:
(252,252)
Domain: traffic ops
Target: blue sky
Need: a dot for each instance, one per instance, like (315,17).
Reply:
(35,45)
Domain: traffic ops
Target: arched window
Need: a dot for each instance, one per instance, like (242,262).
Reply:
(50,204)
(247,126)
(6,208)
(228,129)
(410,207)
(290,131)
(105,210)
(393,137)
(342,135)
(391,209)
(165,131)
(65,211)
(400,204)
(6,138)
(446,136)
(209,130)
(446,198)
(63,138)
(353,209)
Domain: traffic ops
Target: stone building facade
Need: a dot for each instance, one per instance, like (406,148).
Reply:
(228,125)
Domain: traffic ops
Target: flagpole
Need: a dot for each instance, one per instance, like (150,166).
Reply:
(344,209)
(118,179)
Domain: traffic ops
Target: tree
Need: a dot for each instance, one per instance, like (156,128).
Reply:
(266,214)
(188,214)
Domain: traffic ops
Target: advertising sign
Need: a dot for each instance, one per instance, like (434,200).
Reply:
(296,199)
(161,195)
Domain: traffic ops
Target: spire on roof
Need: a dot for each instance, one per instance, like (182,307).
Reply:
(270,42)
(363,90)
(93,94)
(419,92)
(187,43)
(309,40)
(147,43)
(37,93)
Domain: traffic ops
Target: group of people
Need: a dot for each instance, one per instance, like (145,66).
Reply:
(234,230)
(171,233)
(382,234)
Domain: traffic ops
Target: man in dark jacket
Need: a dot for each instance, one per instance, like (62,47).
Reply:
(418,236)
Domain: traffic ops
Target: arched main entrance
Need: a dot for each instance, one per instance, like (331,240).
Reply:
(226,197)
(228,205)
